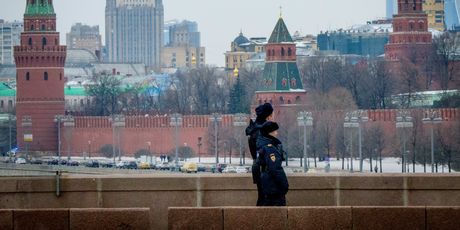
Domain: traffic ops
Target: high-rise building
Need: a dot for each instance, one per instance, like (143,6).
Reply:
(85,37)
(182,46)
(9,37)
(410,38)
(452,10)
(134,31)
(392,8)
(435,11)
(40,78)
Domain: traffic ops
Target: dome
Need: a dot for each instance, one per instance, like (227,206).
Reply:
(80,56)
(241,39)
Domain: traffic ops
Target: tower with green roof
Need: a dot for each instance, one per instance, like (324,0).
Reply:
(40,63)
(281,84)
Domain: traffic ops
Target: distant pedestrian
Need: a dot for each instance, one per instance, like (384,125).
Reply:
(271,155)
(264,113)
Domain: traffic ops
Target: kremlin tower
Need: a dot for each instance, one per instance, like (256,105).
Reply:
(40,78)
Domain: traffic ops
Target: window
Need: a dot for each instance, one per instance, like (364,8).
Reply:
(282,51)
(45,76)
(32,27)
(27,76)
(43,27)
(1,104)
(289,52)
(30,41)
(44,42)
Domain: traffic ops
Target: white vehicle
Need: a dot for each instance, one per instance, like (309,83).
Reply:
(21,161)
(229,169)
(241,169)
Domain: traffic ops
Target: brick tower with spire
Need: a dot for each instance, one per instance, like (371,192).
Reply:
(40,77)
(410,39)
(281,84)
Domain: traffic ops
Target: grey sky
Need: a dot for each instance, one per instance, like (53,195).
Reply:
(220,21)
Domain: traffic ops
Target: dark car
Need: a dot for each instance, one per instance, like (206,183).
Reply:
(63,162)
(107,164)
(201,168)
(53,162)
(130,165)
(92,164)
(73,163)
(36,162)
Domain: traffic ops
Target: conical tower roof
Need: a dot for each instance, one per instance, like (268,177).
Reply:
(39,8)
(280,34)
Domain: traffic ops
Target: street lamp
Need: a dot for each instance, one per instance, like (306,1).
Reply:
(58,121)
(176,121)
(216,118)
(149,144)
(354,120)
(305,119)
(432,117)
(199,149)
(69,123)
(404,121)
(28,136)
(240,120)
(89,149)
(118,121)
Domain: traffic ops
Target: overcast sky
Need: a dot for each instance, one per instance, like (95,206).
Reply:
(220,21)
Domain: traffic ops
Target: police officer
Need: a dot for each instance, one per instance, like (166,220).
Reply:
(263,113)
(270,157)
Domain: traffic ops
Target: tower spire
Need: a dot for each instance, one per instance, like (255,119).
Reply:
(281,11)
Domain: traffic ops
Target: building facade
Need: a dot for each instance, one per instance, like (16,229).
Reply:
(134,31)
(183,46)
(435,11)
(9,37)
(410,38)
(40,63)
(242,49)
(85,37)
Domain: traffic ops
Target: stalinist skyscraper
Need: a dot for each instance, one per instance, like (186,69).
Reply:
(134,31)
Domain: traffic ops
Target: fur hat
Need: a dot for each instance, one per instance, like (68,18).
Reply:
(269,127)
(264,111)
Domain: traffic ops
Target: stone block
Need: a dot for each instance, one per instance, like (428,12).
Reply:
(43,219)
(371,197)
(89,219)
(302,182)
(311,197)
(324,218)
(253,218)
(438,181)
(229,198)
(383,218)
(195,218)
(443,218)
(434,197)
(6,219)
(371,182)
(141,183)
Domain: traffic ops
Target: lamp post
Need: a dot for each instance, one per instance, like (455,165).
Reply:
(118,121)
(28,136)
(432,117)
(404,121)
(176,121)
(216,118)
(199,149)
(354,120)
(58,120)
(149,144)
(69,123)
(89,149)
(240,120)
(305,119)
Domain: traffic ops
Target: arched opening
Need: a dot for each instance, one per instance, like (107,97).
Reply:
(43,41)
(30,41)
(27,76)
(281,100)
(45,76)
(32,28)
(43,27)
(282,51)
(411,26)
(289,52)
(273,52)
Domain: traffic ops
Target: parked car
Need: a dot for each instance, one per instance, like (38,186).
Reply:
(189,167)
(121,164)
(20,160)
(107,164)
(53,162)
(36,162)
(201,168)
(221,167)
(73,163)
(92,164)
(229,169)
(241,169)
(130,165)
(144,165)
(63,162)
(165,166)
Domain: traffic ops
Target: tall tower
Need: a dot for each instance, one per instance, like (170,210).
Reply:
(410,38)
(40,76)
(282,86)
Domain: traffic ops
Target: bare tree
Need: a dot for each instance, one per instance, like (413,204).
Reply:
(446,46)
